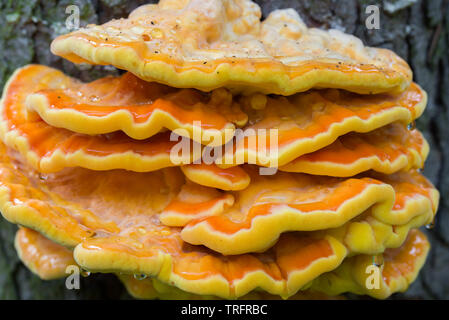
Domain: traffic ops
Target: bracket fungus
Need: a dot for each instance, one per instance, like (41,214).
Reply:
(50,260)
(42,256)
(223,43)
(138,108)
(307,129)
(307,122)
(97,176)
(294,202)
(399,268)
(386,150)
(151,288)
(111,219)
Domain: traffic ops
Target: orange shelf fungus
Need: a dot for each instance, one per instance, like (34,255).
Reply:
(235,158)
(111,218)
(151,288)
(50,260)
(292,263)
(293,202)
(138,108)
(42,256)
(234,178)
(289,127)
(169,186)
(50,149)
(397,270)
(386,150)
(188,44)
(360,274)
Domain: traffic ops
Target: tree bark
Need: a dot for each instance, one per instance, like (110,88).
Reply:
(418,30)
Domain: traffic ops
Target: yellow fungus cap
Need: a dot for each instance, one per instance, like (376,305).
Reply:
(223,43)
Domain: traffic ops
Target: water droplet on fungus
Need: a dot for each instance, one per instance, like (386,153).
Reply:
(140,276)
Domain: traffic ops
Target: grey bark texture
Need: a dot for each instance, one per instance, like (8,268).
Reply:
(418,30)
